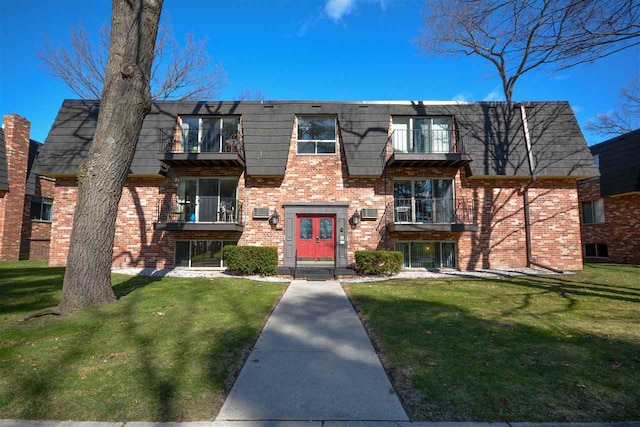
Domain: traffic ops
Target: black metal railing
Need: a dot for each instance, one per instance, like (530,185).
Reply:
(430,211)
(201,209)
(419,141)
(177,140)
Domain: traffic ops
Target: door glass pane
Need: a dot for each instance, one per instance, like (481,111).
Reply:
(206,253)
(421,140)
(423,200)
(326,228)
(448,256)
(230,134)
(306,229)
(443,201)
(400,134)
(210,135)
(441,135)
(208,209)
(190,130)
(182,253)
(186,200)
(423,254)
(405,249)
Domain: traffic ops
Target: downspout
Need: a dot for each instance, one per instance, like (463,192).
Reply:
(525,194)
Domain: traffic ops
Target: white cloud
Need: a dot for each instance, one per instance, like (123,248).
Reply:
(460,97)
(336,9)
(494,95)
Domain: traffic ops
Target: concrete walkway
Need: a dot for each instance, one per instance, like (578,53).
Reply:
(313,361)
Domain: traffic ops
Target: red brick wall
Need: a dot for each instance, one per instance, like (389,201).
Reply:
(498,243)
(16,130)
(621,229)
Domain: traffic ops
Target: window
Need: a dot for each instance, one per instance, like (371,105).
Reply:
(422,134)
(41,208)
(208,135)
(596,160)
(208,200)
(593,212)
(596,250)
(316,135)
(423,254)
(201,253)
(423,200)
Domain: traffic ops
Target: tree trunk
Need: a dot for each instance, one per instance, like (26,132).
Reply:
(126,100)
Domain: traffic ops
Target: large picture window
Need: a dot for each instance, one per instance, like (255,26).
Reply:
(201,253)
(208,135)
(423,200)
(316,135)
(41,208)
(593,212)
(423,254)
(208,200)
(422,134)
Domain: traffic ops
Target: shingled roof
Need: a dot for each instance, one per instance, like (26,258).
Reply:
(619,160)
(491,133)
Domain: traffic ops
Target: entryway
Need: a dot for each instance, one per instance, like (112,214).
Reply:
(315,239)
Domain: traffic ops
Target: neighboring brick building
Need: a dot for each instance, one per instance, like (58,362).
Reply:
(442,182)
(25,197)
(611,202)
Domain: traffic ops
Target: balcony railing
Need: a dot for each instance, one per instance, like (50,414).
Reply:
(201,209)
(423,141)
(177,140)
(430,211)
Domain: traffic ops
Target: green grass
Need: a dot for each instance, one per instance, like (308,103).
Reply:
(557,348)
(168,349)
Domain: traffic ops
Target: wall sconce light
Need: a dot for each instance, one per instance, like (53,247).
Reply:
(275,218)
(355,219)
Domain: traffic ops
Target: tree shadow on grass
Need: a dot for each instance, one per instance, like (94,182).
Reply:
(449,364)
(155,354)
(29,289)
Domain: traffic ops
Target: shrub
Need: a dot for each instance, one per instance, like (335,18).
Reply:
(252,259)
(379,262)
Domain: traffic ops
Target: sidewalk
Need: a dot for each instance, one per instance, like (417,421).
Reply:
(313,361)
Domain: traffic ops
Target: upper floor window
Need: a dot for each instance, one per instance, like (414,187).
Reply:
(422,134)
(207,134)
(423,200)
(207,200)
(593,212)
(41,208)
(596,160)
(316,135)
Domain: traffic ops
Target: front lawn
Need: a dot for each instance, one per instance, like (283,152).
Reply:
(555,348)
(168,349)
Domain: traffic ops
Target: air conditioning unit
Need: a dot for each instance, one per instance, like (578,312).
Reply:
(369,213)
(260,213)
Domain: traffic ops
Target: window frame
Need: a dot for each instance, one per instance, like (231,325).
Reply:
(191,241)
(201,133)
(42,200)
(437,242)
(595,209)
(413,219)
(597,249)
(411,128)
(197,195)
(316,141)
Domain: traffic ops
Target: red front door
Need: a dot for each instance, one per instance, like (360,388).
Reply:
(315,238)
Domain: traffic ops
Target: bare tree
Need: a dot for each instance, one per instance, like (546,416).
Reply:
(517,36)
(625,118)
(126,100)
(179,71)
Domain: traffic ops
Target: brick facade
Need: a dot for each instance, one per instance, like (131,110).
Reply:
(16,130)
(499,241)
(621,228)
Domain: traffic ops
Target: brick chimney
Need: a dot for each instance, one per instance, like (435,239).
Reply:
(16,135)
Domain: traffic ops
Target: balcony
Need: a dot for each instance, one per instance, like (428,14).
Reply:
(200,214)
(201,147)
(419,214)
(424,148)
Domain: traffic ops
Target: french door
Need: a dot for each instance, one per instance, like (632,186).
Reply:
(315,238)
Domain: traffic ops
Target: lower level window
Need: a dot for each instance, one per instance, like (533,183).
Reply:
(201,253)
(423,254)
(596,250)
(41,208)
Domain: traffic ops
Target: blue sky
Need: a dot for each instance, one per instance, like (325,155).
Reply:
(298,50)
